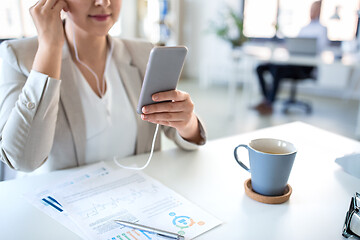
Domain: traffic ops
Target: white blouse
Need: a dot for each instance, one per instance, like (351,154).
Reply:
(109,121)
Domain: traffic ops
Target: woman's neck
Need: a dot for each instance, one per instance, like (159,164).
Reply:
(91,49)
(89,53)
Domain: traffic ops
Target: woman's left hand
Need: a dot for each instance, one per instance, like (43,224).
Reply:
(177,113)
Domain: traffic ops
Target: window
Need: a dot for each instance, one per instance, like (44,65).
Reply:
(261,17)
(293,15)
(345,27)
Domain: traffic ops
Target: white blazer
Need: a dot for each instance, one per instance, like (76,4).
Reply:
(42,120)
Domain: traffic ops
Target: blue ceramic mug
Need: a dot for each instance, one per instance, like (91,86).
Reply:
(271,161)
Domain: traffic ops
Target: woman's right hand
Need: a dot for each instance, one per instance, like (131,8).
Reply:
(51,36)
(46,17)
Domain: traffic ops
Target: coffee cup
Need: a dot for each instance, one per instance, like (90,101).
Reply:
(270,161)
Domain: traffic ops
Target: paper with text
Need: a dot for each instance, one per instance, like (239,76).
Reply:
(98,194)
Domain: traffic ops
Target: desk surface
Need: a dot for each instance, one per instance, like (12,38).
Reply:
(280,55)
(211,178)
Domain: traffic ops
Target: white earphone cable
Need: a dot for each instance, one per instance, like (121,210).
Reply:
(101,91)
(150,156)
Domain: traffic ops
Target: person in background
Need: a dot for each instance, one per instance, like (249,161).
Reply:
(315,29)
(68,96)
(280,71)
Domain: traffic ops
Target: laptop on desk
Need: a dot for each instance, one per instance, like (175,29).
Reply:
(301,46)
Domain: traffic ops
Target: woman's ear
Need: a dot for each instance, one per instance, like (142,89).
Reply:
(66,8)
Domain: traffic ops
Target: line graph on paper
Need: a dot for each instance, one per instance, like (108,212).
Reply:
(117,202)
(92,189)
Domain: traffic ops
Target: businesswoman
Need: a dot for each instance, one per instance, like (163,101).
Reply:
(68,96)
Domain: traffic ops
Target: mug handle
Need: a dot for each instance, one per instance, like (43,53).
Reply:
(236,157)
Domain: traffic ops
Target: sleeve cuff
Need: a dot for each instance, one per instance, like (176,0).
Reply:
(185,144)
(189,145)
(32,93)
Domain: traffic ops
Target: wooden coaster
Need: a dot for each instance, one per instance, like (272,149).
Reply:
(267,199)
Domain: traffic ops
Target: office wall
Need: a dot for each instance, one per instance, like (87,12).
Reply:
(206,51)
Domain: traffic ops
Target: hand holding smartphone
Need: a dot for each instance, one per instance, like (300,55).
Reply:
(162,72)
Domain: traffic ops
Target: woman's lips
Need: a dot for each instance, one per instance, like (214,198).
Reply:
(100,17)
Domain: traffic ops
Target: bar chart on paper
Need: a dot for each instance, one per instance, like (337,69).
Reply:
(133,235)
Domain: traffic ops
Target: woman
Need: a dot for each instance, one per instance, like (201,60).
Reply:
(68,97)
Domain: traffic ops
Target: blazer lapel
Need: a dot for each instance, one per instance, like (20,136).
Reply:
(70,98)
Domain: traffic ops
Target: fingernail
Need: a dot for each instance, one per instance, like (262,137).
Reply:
(155,97)
(143,109)
(144,117)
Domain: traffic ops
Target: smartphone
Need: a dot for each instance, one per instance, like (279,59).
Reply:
(162,72)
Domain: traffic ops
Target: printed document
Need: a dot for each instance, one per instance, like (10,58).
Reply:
(90,200)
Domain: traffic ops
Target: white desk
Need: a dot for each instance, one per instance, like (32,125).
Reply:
(211,178)
(279,54)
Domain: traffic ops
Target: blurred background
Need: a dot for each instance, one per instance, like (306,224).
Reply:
(227,40)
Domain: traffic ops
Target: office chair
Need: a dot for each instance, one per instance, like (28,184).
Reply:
(301,73)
